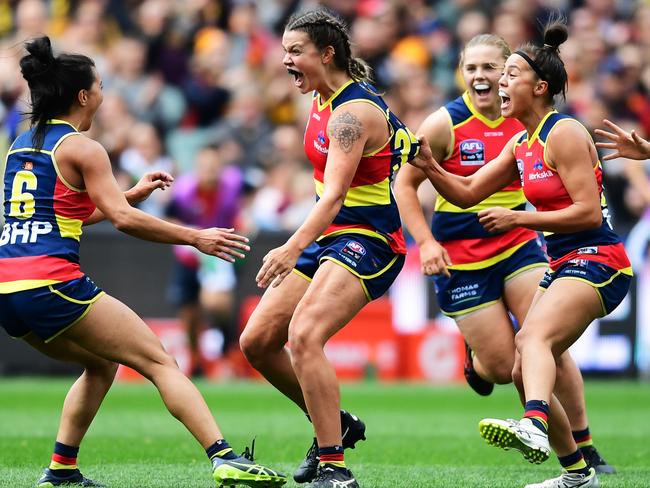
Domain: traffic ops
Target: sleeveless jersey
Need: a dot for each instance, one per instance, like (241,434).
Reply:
(43,214)
(369,207)
(476,141)
(544,189)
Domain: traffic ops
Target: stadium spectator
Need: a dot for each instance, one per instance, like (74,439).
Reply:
(47,301)
(207,197)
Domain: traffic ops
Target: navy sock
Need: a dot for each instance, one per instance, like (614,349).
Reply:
(537,412)
(574,463)
(221,449)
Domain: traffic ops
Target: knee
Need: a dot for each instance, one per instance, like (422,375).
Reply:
(104,371)
(500,373)
(258,342)
(304,342)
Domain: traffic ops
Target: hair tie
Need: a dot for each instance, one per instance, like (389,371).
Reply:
(532,64)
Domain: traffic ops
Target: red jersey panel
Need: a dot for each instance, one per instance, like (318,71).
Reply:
(369,207)
(543,188)
(476,141)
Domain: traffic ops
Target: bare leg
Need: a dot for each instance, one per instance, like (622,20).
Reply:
(86,395)
(266,334)
(569,388)
(113,331)
(489,333)
(333,298)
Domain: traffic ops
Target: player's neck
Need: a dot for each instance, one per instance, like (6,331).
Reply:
(532,118)
(332,83)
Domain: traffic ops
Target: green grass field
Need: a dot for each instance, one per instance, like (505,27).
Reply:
(418,436)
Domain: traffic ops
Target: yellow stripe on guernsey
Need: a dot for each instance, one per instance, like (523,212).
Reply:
(21,285)
(364,195)
(507,199)
(69,227)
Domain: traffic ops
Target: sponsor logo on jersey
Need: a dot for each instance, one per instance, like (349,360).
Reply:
(28,165)
(588,250)
(494,133)
(24,232)
(316,116)
(472,152)
(319,143)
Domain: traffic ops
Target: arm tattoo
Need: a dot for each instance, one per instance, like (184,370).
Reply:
(346,129)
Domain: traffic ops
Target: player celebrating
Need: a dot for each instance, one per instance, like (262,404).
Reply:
(349,249)
(56,180)
(500,270)
(589,275)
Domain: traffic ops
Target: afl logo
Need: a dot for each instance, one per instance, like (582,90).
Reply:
(356,247)
(472,152)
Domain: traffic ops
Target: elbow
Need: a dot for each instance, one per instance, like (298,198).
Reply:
(594,220)
(121,221)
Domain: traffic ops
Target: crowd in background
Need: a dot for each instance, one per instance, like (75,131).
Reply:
(185,76)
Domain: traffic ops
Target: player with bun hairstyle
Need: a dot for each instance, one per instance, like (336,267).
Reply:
(557,163)
(350,247)
(56,180)
(502,269)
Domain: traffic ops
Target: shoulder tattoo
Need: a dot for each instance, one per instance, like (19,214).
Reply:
(346,129)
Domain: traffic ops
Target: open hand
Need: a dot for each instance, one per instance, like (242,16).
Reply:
(626,144)
(424,158)
(277,264)
(222,243)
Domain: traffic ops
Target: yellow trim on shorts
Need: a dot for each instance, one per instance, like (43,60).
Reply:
(22,285)
(593,285)
(301,274)
(73,300)
(524,269)
(467,311)
(75,322)
(351,270)
(353,230)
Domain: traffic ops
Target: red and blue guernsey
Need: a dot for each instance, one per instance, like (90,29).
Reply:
(43,214)
(476,140)
(544,189)
(369,207)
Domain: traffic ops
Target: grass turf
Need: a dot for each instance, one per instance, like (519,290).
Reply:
(418,436)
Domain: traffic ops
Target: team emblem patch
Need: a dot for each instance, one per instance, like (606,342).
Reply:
(472,152)
(352,252)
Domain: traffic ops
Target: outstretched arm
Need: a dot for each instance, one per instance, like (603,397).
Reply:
(467,191)
(434,259)
(625,144)
(90,160)
(140,192)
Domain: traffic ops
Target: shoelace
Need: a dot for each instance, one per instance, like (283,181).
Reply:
(312,451)
(321,475)
(249,453)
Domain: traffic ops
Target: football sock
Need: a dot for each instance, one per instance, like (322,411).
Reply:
(582,437)
(537,412)
(64,457)
(220,449)
(574,463)
(332,455)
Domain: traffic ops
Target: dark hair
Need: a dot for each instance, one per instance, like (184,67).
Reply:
(547,57)
(326,29)
(54,82)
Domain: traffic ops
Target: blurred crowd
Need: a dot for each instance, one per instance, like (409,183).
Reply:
(198,88)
